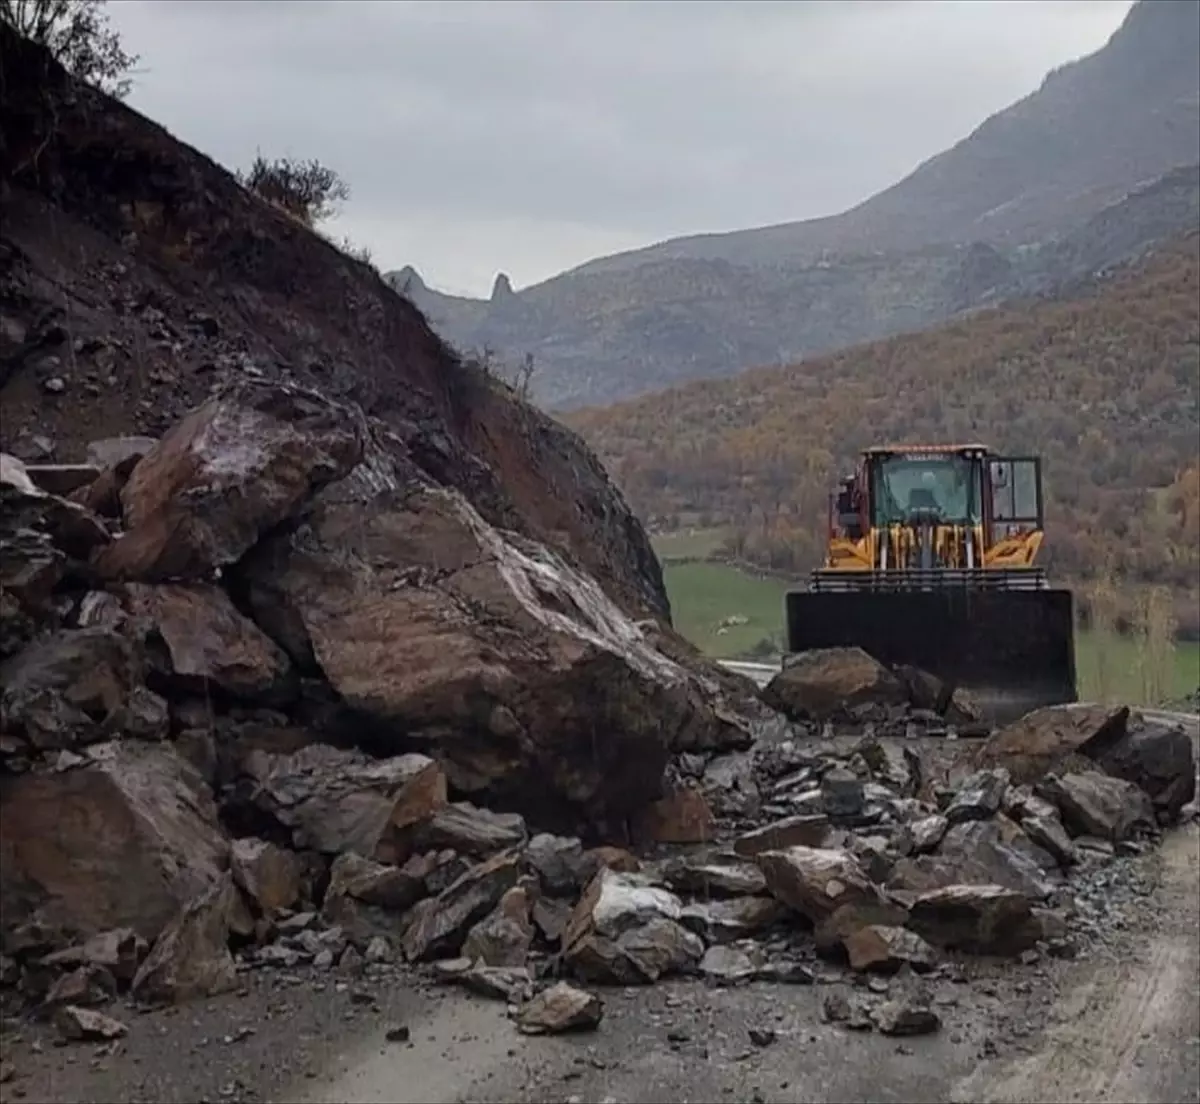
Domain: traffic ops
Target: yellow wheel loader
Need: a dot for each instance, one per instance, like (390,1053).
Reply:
(930,563)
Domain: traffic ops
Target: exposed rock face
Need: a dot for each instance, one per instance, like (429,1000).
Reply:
(146,824)
(506,664)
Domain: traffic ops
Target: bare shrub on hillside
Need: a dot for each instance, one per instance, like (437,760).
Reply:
(78,35)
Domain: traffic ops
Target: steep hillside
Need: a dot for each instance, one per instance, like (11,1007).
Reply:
(136,275)
(1067,181)
(1106,387)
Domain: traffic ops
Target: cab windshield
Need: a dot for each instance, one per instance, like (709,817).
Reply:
(945,487)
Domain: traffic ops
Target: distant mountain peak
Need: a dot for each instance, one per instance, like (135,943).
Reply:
(502,288)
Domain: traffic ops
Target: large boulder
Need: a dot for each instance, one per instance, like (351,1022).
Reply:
(208,644)
(817,881)
(485,649)
(237,466)
(829,682)
(122,841)
(1052,739)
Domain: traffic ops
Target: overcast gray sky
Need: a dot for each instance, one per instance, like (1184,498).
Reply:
(528,137)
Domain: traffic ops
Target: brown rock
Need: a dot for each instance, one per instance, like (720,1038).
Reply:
(334,800)
(982,919)
(492,650)
(438,925)
(70,527)
(87,1025)
(390,887)
(121,841)
(85,986)
(236,467)
(1095,804)
(191,958)
(209,644)
(683,816)
(119,951)
(268,874)
(808,830)
(626,930)
(832,933)
(560,1008)
(816,881)
(1049,739)
(504,936)
(886,949)
(826,682)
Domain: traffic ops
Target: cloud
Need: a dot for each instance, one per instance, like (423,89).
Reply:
(529,136)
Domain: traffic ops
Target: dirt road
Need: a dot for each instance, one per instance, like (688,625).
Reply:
(1120,1026)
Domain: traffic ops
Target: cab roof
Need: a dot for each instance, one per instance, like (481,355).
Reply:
(878,450)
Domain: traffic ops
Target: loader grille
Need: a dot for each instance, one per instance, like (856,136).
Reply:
(927,579)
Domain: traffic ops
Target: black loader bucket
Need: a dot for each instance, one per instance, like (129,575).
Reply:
(1012,650)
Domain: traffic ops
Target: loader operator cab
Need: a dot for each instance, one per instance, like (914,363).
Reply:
(912,488)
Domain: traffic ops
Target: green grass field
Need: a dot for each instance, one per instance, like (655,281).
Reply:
(704,594)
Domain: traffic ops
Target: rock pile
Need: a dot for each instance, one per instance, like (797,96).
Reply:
(271,698)
(272,625)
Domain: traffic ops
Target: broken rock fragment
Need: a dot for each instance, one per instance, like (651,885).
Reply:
(562,1007)
(827,682)
(1048,739)
(75,687)
(234,468)
(438,925)
(87,1025)
(902,1017)
(817,881)
(191,958)
(682,816)
(723,921)
(626,930)
(978,796)
(981,919)
(209,645)
(1095,804)
(469,830)
(503,937)
(269,875)
(1157,757)
(334,800)
(886,949)
(804,830)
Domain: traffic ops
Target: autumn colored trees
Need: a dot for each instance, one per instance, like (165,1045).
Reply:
(1105,387)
